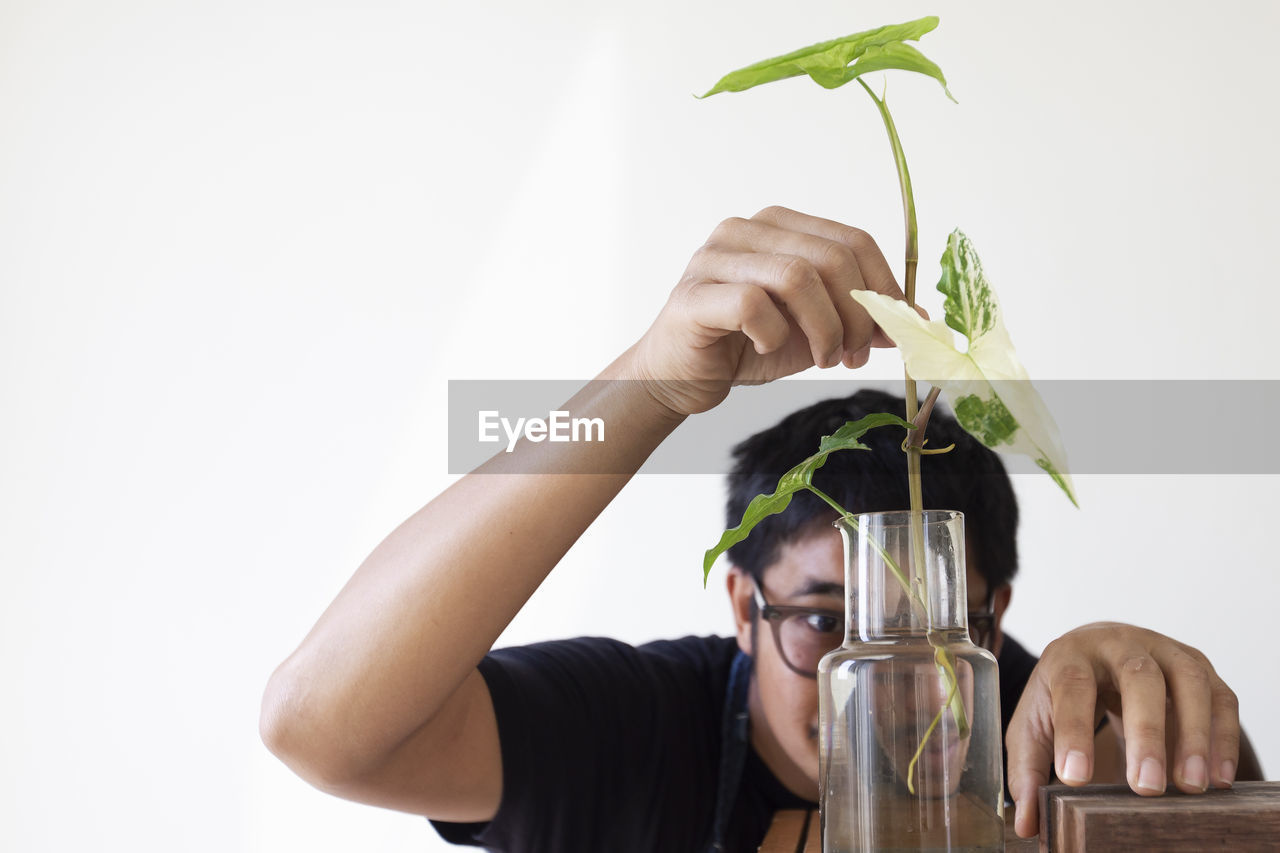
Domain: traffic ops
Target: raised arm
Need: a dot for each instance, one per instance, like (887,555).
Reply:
(382,702)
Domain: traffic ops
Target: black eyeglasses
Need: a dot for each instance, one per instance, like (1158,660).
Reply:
(802,635)
(982,623)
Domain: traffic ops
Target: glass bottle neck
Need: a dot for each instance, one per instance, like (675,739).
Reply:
(904,576)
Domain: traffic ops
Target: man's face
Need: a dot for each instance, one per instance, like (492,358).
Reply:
(907,698)
(784,704)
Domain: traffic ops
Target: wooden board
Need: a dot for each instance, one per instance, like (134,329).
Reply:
(792,831)
(1106,818)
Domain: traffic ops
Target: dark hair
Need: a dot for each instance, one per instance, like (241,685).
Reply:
(970,479)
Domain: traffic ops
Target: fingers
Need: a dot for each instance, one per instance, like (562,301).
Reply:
(793,282)
(1075,693)
(1142,687)
(1029,741)
(1053,726)
(1190,690)
(875,271)
(1207,720)
(780,281)
(1170,694)
(1181,721)
(777,284)
(1224,736)
(813,252)
(1159,687)
(857,358)
(727,307)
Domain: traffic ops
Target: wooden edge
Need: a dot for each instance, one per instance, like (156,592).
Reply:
(1046,823)
(787,826)
(1062,807)
(803,844)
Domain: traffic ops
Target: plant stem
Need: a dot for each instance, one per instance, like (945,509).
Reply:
(946,662)
(952,697)
(898,574)
(914,488)
(917,596)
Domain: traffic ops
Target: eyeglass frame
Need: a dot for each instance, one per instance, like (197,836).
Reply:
(774,614)
(986,617)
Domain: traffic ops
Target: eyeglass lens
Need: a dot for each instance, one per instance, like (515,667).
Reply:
(806,636)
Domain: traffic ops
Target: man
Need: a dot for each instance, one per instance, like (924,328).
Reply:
(795,559)
(391,699)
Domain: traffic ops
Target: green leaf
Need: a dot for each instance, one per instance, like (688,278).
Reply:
(798,478)
(761,507)
(828,63)
(895,55)
(970,304)
(994,398)
(846,438)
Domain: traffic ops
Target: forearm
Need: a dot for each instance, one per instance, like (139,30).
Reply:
(762,299)
(429,602)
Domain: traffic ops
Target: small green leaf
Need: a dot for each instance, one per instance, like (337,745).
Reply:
(798,478)
(828,63)
(846,438)
(760,508)
(970,304)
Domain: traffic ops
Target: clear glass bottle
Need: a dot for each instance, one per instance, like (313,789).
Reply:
(907,657)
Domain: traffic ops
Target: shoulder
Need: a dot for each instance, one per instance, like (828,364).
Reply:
(687,652)
(699,653)
(1015,657)
(602,661)
(604,745)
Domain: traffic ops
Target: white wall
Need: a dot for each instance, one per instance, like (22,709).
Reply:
(243,246)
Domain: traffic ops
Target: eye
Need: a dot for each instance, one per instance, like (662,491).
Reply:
(821,623)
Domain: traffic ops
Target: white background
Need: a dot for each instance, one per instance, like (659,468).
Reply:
(243,246)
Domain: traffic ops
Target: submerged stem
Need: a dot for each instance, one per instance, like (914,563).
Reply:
(918,597)
(952,696)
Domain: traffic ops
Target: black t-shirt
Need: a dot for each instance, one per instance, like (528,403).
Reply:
(609,747)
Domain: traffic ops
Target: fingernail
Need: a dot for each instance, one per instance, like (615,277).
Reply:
(1076,767)
(1228,771)
(1195,772)
(1151,775)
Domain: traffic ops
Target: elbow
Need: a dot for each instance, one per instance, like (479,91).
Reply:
(293,727)
(276,725)
(280,722)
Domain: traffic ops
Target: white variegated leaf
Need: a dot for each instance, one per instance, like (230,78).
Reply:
(988,388)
